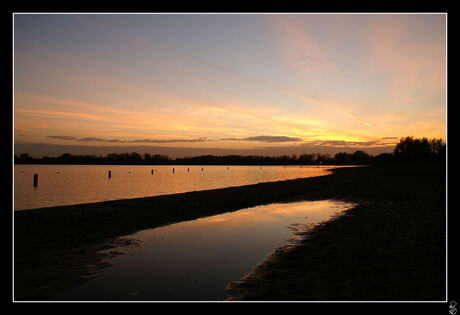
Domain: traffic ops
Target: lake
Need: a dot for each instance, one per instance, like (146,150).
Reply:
(74,184)
(195,260)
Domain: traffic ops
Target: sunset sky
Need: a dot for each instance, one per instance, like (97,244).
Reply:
(227,83)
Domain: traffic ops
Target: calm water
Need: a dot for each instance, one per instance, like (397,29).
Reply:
(195,260)
(74,184)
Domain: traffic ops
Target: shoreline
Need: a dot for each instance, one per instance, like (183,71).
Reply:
(57,248)
(390,247)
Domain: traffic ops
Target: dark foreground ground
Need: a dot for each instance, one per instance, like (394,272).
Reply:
(390,247)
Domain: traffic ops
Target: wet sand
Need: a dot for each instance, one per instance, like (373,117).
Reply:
(390,247)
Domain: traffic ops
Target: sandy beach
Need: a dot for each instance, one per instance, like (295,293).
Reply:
(391,246)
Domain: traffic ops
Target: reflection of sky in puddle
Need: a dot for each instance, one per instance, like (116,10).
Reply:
(195,260)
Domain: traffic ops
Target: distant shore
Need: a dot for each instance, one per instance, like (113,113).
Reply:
(395,237)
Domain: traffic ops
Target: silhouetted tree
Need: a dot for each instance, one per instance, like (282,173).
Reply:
(383,158)
(342,158)
(360,157)
(438,149)
(23,158)
(410,149)
(305,159)
(357,158)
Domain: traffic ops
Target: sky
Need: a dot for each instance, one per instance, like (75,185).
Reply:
(194,84)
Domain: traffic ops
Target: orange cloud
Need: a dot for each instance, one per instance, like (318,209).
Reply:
(411,64)
(22,130)
(303,52)
(354,116)
(59,114)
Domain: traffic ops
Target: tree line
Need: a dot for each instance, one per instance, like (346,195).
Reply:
(408,149)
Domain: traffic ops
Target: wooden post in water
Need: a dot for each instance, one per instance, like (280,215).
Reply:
(188,169)
(35,180)
(110,174)
(173,169)
(151,171)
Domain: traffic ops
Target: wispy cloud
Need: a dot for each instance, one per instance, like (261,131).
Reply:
(60,114)
(412,64)
(342,143)
(23,131)
(267,139)
(94,139)
(334,106)
(354,116)
(303,52)
(63,138)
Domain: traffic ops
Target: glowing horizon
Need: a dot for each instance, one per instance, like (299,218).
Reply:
(229,81)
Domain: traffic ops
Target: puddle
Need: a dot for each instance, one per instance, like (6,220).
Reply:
(195,260)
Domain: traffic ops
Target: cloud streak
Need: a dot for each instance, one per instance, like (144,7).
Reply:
(354,116)
(303,51)
(268,139)
(271,139)
(93,139)
(342,143)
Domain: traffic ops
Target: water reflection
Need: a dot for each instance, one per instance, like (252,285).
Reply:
(195,260)
(73,184)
